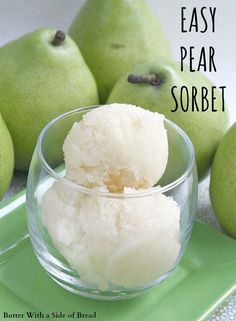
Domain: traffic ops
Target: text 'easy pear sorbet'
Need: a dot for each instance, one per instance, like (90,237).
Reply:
(115,241)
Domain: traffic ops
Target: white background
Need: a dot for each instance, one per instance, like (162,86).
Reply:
(20,16)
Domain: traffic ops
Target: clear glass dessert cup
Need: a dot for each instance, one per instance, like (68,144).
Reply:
(113,261)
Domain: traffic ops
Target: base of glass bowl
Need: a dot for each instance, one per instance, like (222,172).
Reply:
(99,295)
(67,278)
(78,287)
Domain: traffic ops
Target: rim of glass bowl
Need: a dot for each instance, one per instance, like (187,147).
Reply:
(83,189)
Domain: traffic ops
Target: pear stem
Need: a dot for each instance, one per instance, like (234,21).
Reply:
(59,38)
(151,79)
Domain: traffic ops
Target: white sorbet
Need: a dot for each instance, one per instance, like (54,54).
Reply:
(126,242)
(117,146)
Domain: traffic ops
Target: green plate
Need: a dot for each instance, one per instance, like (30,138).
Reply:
(205,277)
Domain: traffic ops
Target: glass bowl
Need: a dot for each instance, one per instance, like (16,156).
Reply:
(105,245)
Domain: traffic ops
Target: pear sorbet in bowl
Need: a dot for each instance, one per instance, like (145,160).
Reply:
(113,219)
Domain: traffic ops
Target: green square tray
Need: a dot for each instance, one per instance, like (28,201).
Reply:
(204,278)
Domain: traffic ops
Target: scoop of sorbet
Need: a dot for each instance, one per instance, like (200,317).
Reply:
(126,242)
(117,146)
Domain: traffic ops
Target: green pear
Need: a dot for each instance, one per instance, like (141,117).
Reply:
(205,129)
(223,182)
(43,75)
(6,158)
(113,35)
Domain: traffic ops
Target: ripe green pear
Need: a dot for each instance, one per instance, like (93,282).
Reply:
(113,35)
(43,75)
(205,129)
(6,158)
(223,182)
